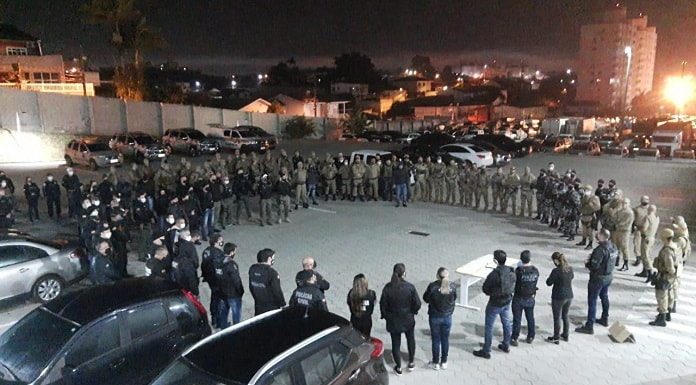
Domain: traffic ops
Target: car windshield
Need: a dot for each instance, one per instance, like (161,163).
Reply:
(183,372)
(30,344)
(664,139)
(93,147)
(195,135)
(247,134)
(477,148)
(144,140)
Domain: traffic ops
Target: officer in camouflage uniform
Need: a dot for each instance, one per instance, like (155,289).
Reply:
(385,180)
(329,172)
(466,185)
(422,173)
(440,186)
(498,189)
(358,171)
(589,208)
(346,180)
(574,202)
(540,187)
(666,275)
(372,174)
(527,182)
(683,243)
(512,186)
(481,189)
(451,177)
(431,179)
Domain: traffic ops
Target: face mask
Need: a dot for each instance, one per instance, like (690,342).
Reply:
(346,163)
(3,184)
(106,235)
(142,200)
(107,251)
(96,203)
(170,221)
(50,179)
(644,203)
(551,168)
(70,173)
(227,182)
(439,161)
(379,163)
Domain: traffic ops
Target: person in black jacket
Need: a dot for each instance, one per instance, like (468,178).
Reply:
(440,297)
(242,188)
(523,300)
(159,266)
(401,180)
(207,214)
(308,294)
(309,264)
(264,283)
(266,203)
(231,287)
(101,267)
(32,192)
(209,257)
(361,302)
(185,264)
(51,191)
(71,183)
(284,190)
(144,219)
(601,265)
(561,279)
(499,286)
(399,304)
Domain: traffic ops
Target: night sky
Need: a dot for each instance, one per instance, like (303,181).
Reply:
(226,36)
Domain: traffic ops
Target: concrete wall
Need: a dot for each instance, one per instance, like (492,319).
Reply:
(176,116)
(24,104)
(61,114)
(109,116)
(204,117)
(144,117)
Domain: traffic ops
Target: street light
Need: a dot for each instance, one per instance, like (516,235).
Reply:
(628,51)
(679,90)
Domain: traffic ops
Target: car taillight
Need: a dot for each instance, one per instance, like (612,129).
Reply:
(192,298)
(480,156)
(378,348)
(77,253)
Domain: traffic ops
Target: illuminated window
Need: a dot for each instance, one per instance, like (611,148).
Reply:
(17,51)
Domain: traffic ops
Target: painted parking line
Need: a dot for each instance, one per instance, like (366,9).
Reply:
(322,210)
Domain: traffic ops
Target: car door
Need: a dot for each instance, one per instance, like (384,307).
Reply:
(100,355)
(181,141)
(15,271)
(84,154)
(324,366)
(153,339)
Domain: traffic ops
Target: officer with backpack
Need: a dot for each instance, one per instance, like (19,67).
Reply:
(601,265)
(499,287)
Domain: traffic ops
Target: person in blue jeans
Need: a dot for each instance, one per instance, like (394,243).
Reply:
(523,301)
(601,266)
(401,180)
(231,287)
(499,286)
(440,297)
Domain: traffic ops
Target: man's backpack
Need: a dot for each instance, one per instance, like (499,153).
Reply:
(507,281)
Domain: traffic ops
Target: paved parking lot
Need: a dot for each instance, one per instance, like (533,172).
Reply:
(349,238)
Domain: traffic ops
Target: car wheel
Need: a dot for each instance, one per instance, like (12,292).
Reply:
(68,161)
(93,165)
(47,288)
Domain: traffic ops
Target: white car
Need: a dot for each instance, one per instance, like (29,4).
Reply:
(408,138)
(347,137)
(468,152)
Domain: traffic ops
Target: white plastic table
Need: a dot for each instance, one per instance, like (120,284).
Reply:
(475,271)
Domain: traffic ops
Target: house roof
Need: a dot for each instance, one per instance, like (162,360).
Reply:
(410,78)
(10,32)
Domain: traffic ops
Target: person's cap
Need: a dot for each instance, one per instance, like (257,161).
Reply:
(611,181)
(589,187)
(666,233)
(644,199)
(600,181)
(305,275)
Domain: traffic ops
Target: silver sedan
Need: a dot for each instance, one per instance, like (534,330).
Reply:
(40,268)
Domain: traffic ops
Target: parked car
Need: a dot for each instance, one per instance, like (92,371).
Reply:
(268,140)
(348,137)
(374,136)
(581,144)
(120,333)
(392,136)
(500,157)
(431,141)
(90,152)
(40,268)
(512,148)
(608,141)
(367,155)
(557,144)
(189,141)
(469,153)
(236,138)
(290,346)
(407,139)
(138,146)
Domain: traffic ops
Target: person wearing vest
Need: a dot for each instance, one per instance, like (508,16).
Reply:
(523,299)
(665,278)
(601,265)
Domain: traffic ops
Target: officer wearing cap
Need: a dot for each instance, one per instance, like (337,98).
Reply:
(266,201)
(308,294)
(640,213)
(664,280)
(264,283)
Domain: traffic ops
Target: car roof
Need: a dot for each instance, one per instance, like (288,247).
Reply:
(84,306)
(259,340)
(370,152)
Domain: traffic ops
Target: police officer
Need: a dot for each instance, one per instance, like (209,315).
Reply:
(421,188)
(101,267)
(309,264)
(230,283)
(159,265)
(624,218)
(372,172)
(648,231)
(527,183)
(300,182)
(144,218)
(512,186)
(226,203)
(32,192)
(451,177)
(210,255)
(574,203)
(242,188)
(51,191)
(481,189)
(357,171)
(71,183)
(589,209)
(345,177)
(498,189)
(523,298)
(601,266)
(264,283)
(665,278)
(329,173)
(266,202)
(284,191)
(6,183)
(6,210)
(683,243)
(386,181)
(439,184)
(640,213)
(308,295)
(540,187)
(185,264)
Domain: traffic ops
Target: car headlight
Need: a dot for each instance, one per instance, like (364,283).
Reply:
(252,142)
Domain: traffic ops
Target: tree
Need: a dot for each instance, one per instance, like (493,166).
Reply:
(355,67)
(355,123)
(298,127)
(285,73)
(423,66)
(131,36)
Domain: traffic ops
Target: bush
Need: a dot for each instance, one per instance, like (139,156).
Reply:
(355,123)
(298,128)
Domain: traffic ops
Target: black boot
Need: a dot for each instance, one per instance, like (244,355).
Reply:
(636,262)
(642,274)
(668,316)
(659,321)
(334,197)
(649,276)
(625,266)
(571,238)
(616,264)
(589,246)
(582,243)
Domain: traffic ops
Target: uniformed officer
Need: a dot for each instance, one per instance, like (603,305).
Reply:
(185,264)
(101,267)
(284,191)
(242,188)
(649,231)
(623,220)
(481,189)
(309,264)
(226,203)
(266,202)
(640,212)
(527,183)
(683,243)
(451,177)
(540,187)
(264,283)
(497,182)
(512,186)
(6,183)
(6,210)
(421,178)
(464,182)
(32,193)
(344,173)
(439,192)
(664,280)
(372,172)
(589,209)
(358,170)
(430,179)
(71,183)
(308,295)
(386,181)
(51,191)
(329,172)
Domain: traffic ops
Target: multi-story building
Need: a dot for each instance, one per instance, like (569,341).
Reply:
(617,59)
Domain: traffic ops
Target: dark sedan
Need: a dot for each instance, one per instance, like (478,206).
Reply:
(512,148)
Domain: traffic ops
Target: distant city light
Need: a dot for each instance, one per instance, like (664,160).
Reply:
(569,71)
(437,76)
(197,83)
(259,76)
(445,88)
(679,90)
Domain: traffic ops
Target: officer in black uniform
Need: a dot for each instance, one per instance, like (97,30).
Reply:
(231,287)
(210,255)
(159,265)
(185,264)
(264,283)
(32,192)
(6,183)
(6,208)
(71,183)
(102,269)
(51,191)
(308,294)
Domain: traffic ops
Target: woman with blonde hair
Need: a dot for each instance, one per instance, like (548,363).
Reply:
(561,279)
(440,297)
(361,302)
